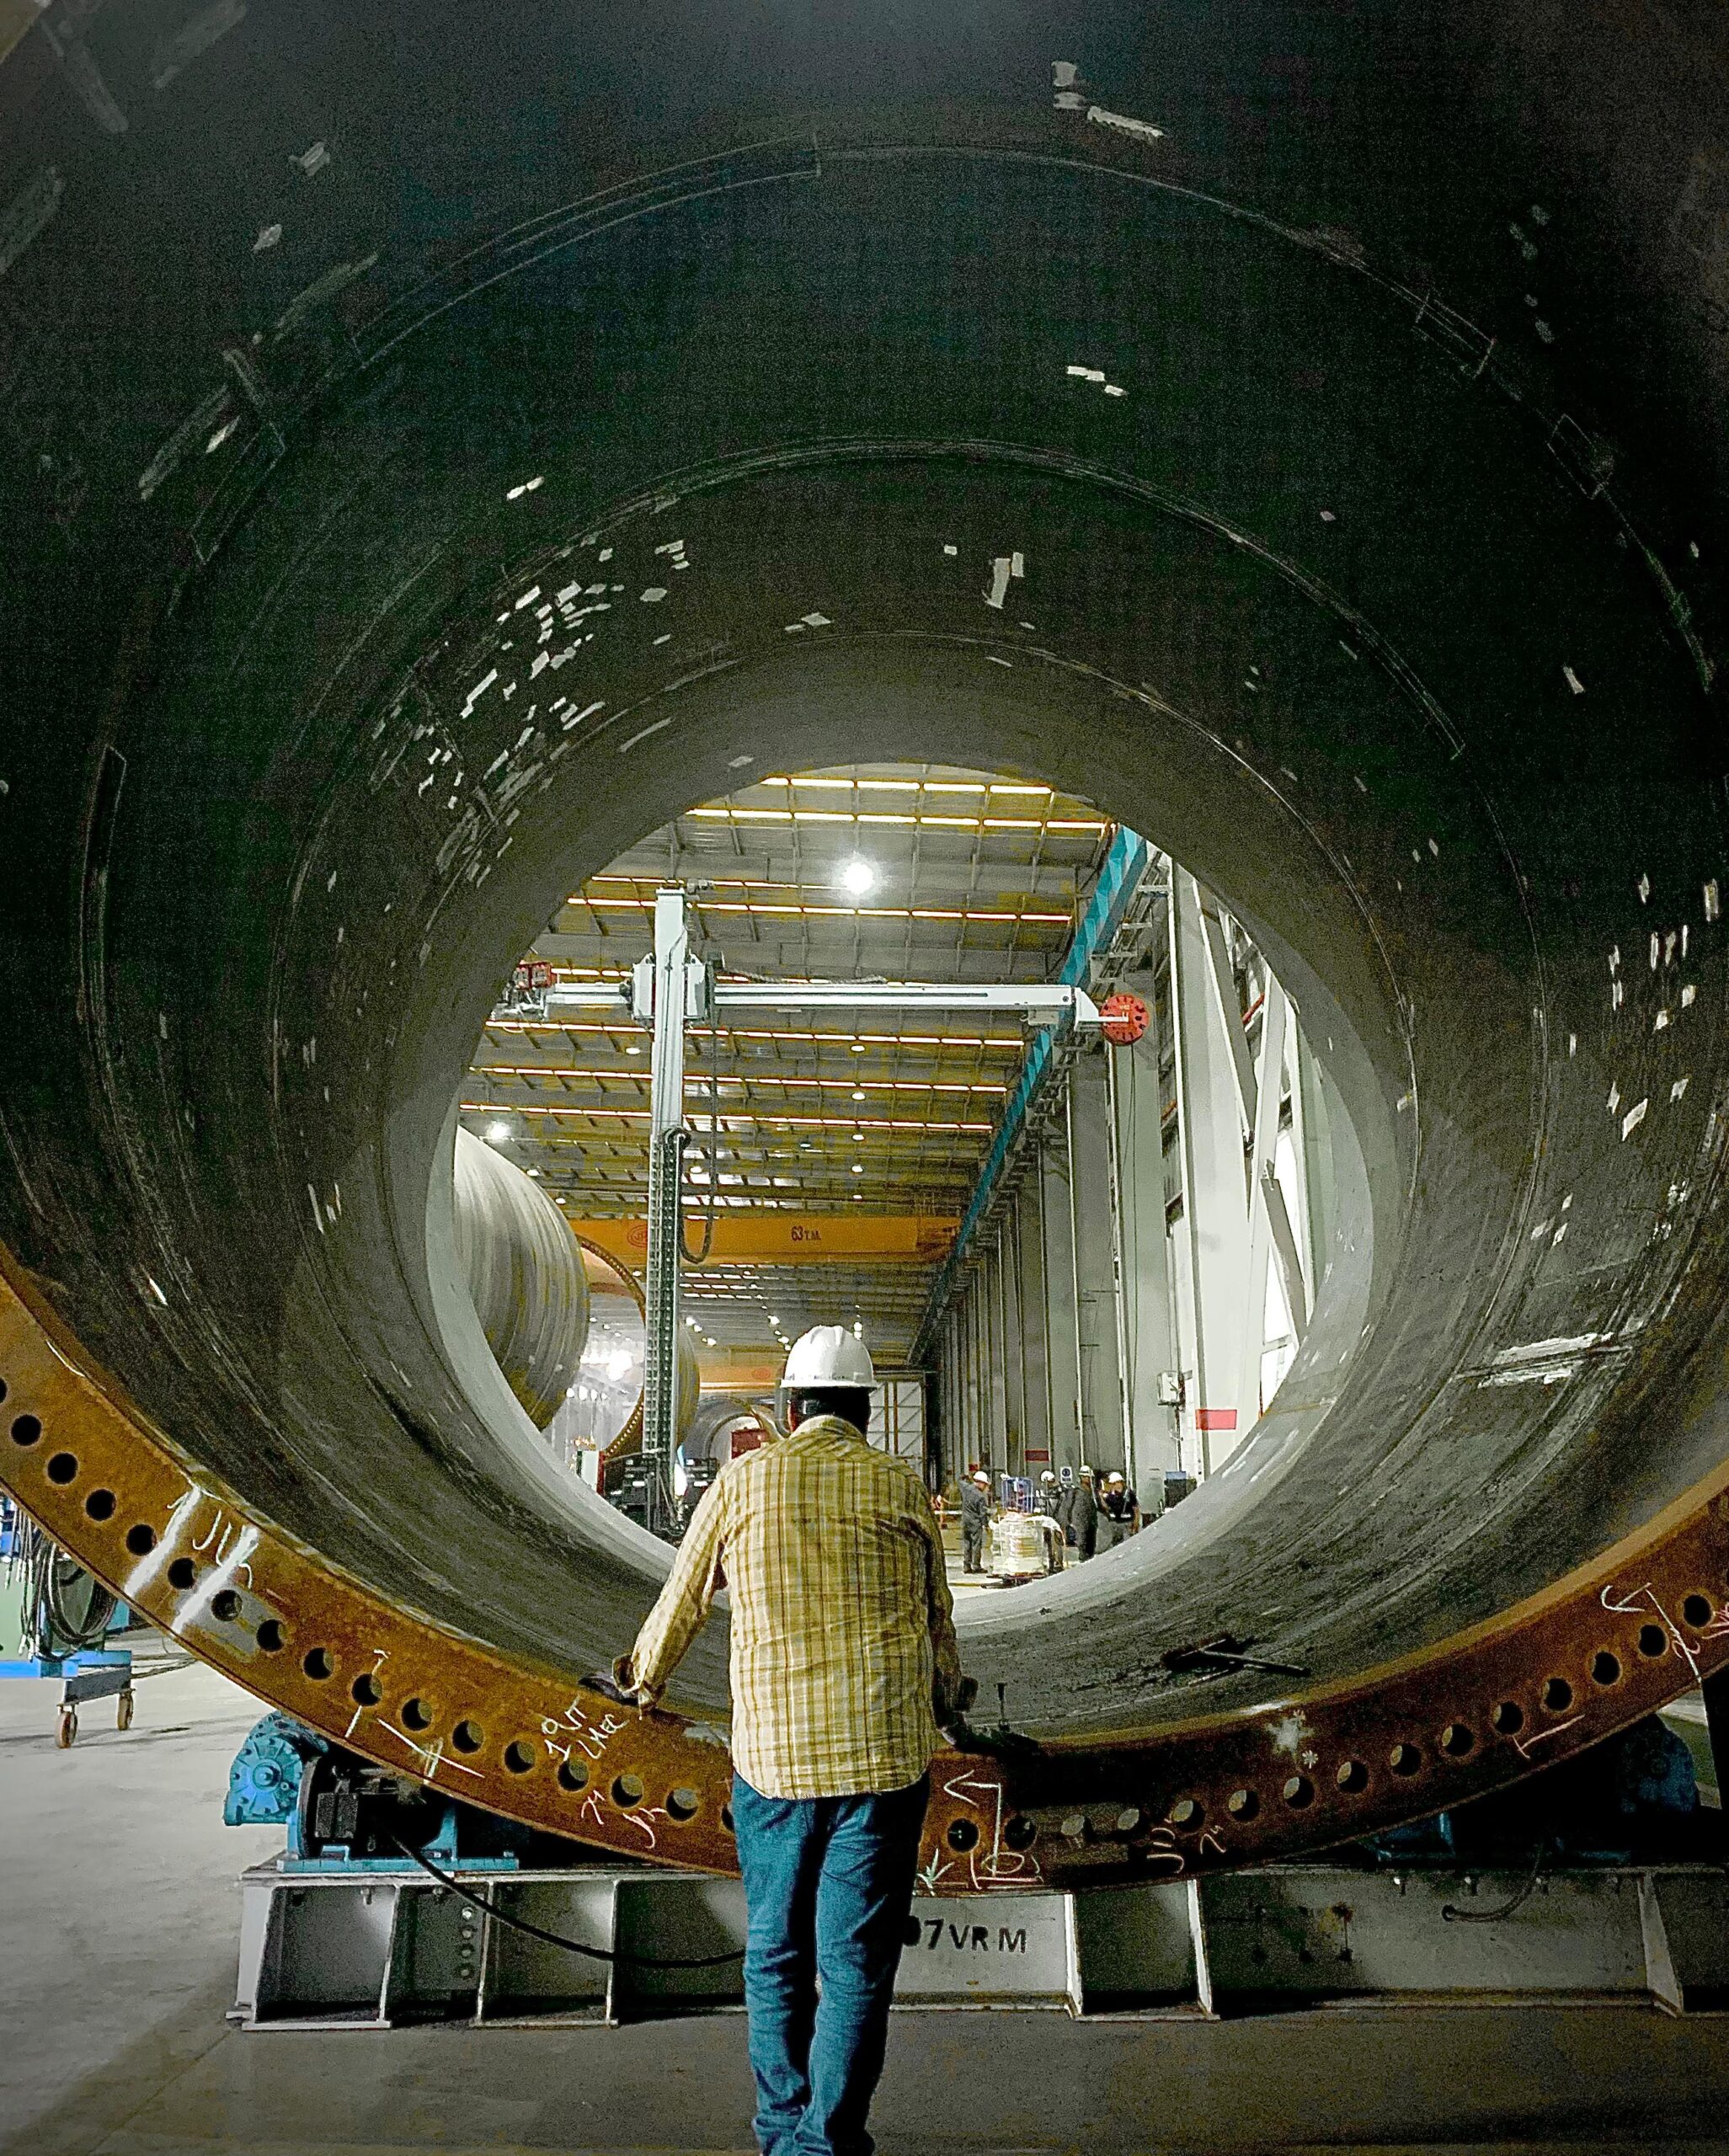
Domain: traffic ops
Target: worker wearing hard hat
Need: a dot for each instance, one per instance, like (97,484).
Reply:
(844,1670)
(1121,1511)
(975,1520)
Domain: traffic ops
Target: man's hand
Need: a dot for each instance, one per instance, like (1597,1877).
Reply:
(621,1686)
(951,1711)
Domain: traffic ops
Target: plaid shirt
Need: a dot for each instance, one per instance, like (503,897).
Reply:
(843,1649)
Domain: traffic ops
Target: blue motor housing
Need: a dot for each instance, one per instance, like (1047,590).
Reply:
(264,1782)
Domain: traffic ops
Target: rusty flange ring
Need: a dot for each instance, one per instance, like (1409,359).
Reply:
(1605,1646)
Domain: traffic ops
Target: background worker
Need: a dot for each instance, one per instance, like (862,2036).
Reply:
(975,1520)
(844,1670)
(1122,1513)
(1084,1516)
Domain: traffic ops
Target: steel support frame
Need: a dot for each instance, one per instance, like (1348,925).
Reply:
(322,1949)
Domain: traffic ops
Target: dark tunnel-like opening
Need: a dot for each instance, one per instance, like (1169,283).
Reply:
(342,667)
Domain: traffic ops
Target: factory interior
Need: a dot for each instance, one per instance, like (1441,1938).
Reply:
(1034,688)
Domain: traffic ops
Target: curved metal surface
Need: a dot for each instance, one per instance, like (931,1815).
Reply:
(530,1285)
(348,637)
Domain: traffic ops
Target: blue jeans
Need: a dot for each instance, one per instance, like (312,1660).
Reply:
(828,1885)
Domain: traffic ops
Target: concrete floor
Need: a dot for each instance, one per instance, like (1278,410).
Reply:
(118,1918)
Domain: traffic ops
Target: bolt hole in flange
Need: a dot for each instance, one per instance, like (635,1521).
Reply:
(627,1790)
(1186,1814)
(1653,1640)
(1242,1804)
(1405,1759)
(1507,1719)
(1352,1777)
(1020,1832)
(962,1835)
(572,1777)
(140,1539)
(1605,1667)
(271,1636)
(1557,1695)
(416,1715)
(365,1690)
(1457,1740)
(100,1504)
(225,1605)
(518,1757)
(26,1429)
(467,1736)
(1696,1611)
(317,1664)
(1299,1792)
(683,1805)
(62,1468)
(183,1574)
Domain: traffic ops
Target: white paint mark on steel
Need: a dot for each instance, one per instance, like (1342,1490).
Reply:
(1679,1089)
(478,690)
(1632,1119)
(1688,993)
(27,213)
(1573,682)
(270,235)
(1062,74)
(654,595)
(1002,569)
(313,159)
(1125,124)
(1534,1351)
(173,54)
(1643,888)
(625,747)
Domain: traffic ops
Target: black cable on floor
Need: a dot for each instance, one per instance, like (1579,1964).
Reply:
(551,1938)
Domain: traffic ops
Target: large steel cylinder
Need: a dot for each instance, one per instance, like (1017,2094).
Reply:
(1298,429)
(530,1285)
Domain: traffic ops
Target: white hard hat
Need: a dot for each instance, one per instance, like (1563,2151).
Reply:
(827,1355)
(979,1475)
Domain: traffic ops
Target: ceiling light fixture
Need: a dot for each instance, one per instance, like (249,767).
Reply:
(858,877)
(497,1133)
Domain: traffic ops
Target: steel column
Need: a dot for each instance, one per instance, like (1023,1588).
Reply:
(1013,1330)
(1033,1311)
(1065,1358)
(668,1002)
(996,1389)
(1095,1272)
(1209,1086)
(1150,1318)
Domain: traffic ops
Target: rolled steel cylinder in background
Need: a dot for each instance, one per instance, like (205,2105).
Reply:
(529,1285)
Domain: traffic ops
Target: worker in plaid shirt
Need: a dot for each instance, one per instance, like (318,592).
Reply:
(845,1670)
